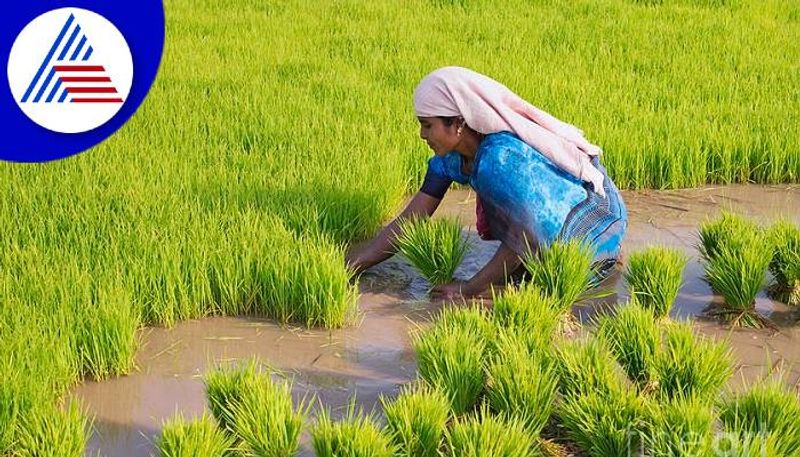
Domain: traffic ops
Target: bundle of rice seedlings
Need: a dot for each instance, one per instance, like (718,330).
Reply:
(356,435)
(679,428)
(562,271)
(451,358)
(767,407)
(416,420)
(266,421)
(633,337)
(785,263)
(688,365)
(739,443)
(473,319)
(197,438)
(434,246)
(604,423)
(654,277)
(736,263)
(587,366)
(525,309)
(522,385)
(50,432)
(225,387)
(483,435)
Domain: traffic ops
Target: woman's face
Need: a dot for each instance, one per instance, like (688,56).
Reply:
(441,138)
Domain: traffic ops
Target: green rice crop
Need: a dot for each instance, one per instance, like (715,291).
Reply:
(225,387)
(451,358)
(525,309)
(689,365)
(265,419)
(785,263)
(355,435)
(483,434)
(746,444)
(200,437)
(266,142)
(522,385)
(604,424)
(633,337)
(434,246)
(562,271)
(654,276)
(737,255)
(416,421)
(473,319)
(768,407)
(587,366)
(56,433)
(678,428)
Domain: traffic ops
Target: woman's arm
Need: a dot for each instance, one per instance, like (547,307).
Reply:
(504,261)
(382,246)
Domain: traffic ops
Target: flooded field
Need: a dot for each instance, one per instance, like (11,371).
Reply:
(375,357)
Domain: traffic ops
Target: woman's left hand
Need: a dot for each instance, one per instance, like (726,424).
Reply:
(454,291)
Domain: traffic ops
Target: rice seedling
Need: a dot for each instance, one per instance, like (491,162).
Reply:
(200,437)
(473,319)
(785,263)
(654,277)
(416,421)
(679,428)
(354,435)
(225,388)
(737,257)
(434,246)
(766,408)
(522,385)
(266,421)
(563,271)
(604,424)
(526,310)
(633,337)
(53,433)
(689,365)
(587,366)
(746,444)
(483,434)
(451,358)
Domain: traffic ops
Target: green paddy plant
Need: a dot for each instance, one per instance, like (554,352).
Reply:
(526,309)
(266,421)
(604,424)
(355,435)
(434,246)
(200,437)
(765,408)
(416,420)
(522,385)
(740,443)
(687,365)
(586,366)
(451,358)
(473,319)
(785,263)
(678,428)
(483,434)
(53,433)
(737,256)
(225,388)
(633,337)
(654,276)
(563,271)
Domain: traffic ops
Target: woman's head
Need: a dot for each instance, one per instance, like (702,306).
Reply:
(442,133)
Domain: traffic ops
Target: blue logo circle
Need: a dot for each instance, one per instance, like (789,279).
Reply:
(76,72)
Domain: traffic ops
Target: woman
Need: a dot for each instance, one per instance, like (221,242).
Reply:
(537,179)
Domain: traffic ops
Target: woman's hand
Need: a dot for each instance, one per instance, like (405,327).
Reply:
(454,291)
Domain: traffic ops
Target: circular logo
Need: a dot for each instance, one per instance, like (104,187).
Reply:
(70,70)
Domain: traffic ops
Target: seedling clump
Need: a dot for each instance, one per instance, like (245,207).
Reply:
(416,421)
(355,435)
(563,271)
(633,337)
(483,435)
(785,263)
(654,277)
(434,246)
(189,439)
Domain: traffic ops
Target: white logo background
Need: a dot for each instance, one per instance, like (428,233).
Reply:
(30,49)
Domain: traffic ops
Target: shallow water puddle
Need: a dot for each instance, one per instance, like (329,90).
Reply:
(375,357)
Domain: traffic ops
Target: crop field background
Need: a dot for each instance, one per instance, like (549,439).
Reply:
(278,131)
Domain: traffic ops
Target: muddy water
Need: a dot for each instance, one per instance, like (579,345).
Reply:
(375,357)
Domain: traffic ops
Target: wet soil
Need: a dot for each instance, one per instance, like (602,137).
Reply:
(375,357)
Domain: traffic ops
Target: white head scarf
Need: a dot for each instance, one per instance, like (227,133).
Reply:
(488,107)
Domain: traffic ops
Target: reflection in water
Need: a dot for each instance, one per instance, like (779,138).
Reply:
(375,357)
